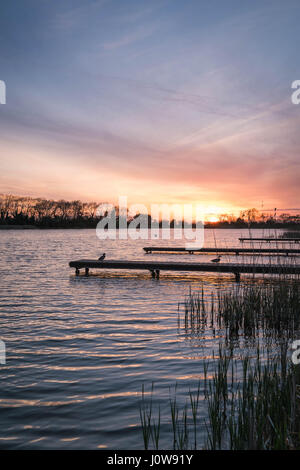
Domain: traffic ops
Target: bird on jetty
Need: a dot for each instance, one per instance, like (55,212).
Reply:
(101,257)
(216,260)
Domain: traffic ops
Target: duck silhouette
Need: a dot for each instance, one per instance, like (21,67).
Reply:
(216,260)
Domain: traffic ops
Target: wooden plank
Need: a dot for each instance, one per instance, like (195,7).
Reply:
(180,266)
(279,240)
(235,250)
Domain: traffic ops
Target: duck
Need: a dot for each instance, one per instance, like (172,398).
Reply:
(216,260)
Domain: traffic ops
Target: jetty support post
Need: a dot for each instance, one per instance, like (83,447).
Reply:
(157,273)
(87,271)
(237,276)
(77,271)
(152,273)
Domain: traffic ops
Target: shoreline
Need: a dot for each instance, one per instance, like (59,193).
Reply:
(34,227)
(209,227)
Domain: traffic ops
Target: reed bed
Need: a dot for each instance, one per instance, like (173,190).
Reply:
(247,402)
(261,412)
(258,410)
(252,311)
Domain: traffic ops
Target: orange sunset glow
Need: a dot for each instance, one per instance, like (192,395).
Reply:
(117,114)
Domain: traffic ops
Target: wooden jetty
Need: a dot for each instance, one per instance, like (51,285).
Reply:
(268,240)
(155,267)
(236,251)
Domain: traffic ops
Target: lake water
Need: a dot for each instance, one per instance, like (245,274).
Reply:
(79,350)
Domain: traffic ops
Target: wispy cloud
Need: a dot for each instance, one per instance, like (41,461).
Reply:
(160,99)
(73,17)
(140,33)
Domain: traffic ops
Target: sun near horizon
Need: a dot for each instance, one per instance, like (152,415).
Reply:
(122,104)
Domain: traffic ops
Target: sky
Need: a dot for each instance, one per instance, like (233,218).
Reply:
(160,101)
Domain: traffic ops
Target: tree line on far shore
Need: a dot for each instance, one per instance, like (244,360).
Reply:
(45,213)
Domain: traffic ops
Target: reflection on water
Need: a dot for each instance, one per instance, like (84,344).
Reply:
(80,349)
